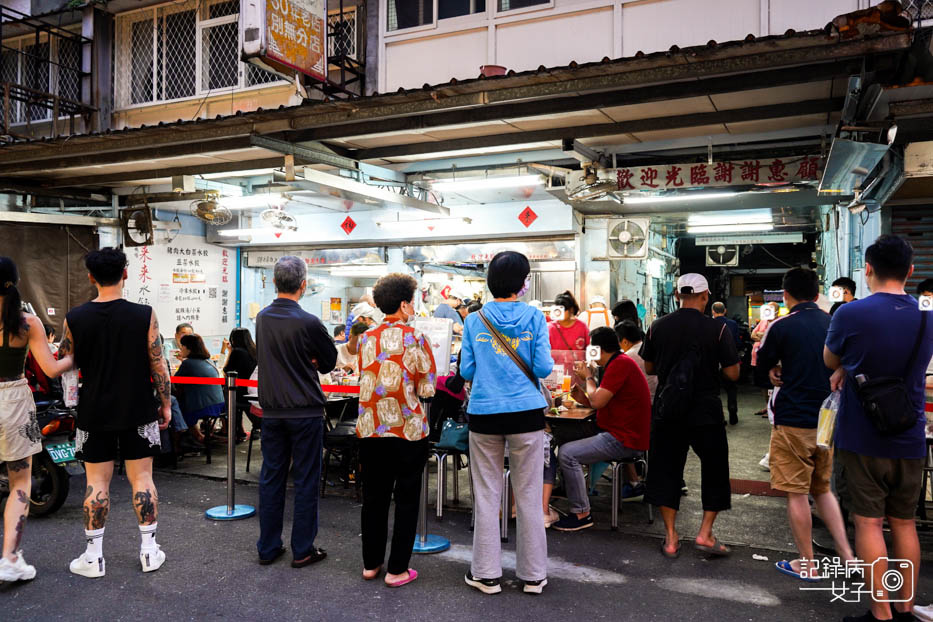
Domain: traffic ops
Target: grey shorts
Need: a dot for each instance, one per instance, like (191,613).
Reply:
(878,487)
(20,436)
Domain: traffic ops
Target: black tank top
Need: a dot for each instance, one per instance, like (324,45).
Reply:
(112,354)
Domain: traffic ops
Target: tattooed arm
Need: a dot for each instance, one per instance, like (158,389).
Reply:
(160,376)
(39,346)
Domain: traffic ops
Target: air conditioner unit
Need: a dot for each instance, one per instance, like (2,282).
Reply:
(628,238)
(722,256)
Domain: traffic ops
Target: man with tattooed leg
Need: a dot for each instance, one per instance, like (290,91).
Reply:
(20,437)
(125,400)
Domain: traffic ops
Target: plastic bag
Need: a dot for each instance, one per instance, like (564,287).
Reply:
(826,424)
(70,388)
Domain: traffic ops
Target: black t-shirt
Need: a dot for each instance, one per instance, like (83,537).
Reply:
(668,341)
(244,365)
(508,423)
(112,354)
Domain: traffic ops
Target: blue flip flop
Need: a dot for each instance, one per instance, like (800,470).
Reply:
(785,567)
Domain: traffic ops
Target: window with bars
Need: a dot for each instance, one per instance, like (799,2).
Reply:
(509,5)
(403,14)
(342,34)
(178,51)
(918,9)
(47,66)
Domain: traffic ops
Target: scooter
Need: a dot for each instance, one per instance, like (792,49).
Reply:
(55,464)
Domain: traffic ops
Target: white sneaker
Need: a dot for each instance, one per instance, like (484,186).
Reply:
(551,517)
(923,613)
(152,559)
(85,567)
(765,462)
(16,571)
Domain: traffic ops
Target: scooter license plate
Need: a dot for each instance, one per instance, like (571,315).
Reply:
(62,452)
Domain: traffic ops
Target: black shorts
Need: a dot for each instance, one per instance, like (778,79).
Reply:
(668,456)
(106,446)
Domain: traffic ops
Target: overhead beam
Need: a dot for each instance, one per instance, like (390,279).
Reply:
(162,197)
(311,156)
(136,155)
(57,219)
(17,187)
(772,111)
(555,105)
(160,173)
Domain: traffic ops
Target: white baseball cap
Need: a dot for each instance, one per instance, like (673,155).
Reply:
(692,283)
(364,309)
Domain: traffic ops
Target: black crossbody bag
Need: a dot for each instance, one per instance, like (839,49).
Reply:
(507,347)
(886,400)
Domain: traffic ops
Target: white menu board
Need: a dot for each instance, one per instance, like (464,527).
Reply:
(187,280)
(440,333)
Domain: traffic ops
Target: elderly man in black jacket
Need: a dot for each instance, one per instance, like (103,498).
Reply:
(293,348)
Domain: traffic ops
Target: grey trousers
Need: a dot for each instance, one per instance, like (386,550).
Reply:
(526,463)
(600,448)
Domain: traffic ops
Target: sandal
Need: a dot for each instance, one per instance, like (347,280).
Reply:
(718,549)
(667,553)
(378,570)
(785,567)
(412,575)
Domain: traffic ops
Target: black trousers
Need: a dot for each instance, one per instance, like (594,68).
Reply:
(668,455)
(390,465)
(731,395)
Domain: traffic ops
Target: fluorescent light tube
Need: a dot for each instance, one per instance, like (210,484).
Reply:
(731,218)
(250,201)
(484,183)
(738,228)
(634,200)
(233,233)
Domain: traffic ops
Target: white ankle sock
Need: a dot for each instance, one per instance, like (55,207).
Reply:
(95,543)
(148,534)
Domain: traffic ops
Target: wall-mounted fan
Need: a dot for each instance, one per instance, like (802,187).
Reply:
(136,223)
(279,219)
(722,255)
(590,183)
(628,238)
(209,211)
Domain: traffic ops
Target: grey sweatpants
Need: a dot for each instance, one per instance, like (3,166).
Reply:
(526,462)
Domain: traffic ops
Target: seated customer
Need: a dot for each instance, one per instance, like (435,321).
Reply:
(623,413)
(347,353)
(198,401)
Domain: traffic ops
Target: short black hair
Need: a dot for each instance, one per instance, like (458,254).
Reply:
(925,285)
(627,329)
(891,257)
(183,326)
(605,338)
(106,265)
(506,274)
(196,347)
(339,330)
(359,328)
(392,290)
(802,283)
(49,330)
(474,307)
(845,283)
(625,310)
(568,302)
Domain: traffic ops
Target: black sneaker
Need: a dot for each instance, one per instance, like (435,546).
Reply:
(733,418)
(572,523)
(534,587)
(486,586)
(275,556)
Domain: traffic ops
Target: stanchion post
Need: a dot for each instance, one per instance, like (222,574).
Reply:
(231,511)
(425,542)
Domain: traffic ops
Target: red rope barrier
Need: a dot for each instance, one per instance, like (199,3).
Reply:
(328,388)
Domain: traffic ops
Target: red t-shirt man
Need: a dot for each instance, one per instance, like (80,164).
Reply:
(627,416)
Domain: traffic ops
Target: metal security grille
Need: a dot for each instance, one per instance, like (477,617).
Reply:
(179,51)
(342,34)
(913,223)
(919,9)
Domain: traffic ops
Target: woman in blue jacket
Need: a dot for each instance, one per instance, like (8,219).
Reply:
(198,401)
(507,406)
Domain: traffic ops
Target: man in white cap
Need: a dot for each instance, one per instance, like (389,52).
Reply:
(450,309)
(686,350)
(597,315)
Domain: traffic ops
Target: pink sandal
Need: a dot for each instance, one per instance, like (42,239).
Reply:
(412,575)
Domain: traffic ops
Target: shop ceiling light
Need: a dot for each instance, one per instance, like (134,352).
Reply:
(405,225)
(374,271)
(486,183)
(236,233)
(250,201)
(736,228)
(670,198)
(731,218)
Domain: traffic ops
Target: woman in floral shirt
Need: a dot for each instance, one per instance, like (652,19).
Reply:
(397,369)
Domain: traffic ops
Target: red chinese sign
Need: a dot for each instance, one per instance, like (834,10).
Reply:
(527,217)
(745,172)
(348,225)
